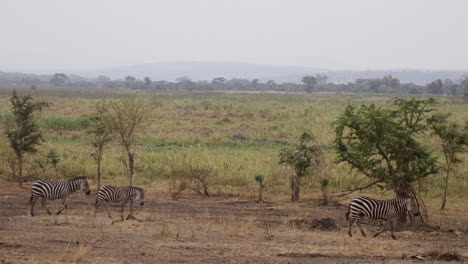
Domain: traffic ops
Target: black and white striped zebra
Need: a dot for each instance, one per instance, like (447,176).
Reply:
(53,190)
(387,210)
(121,195)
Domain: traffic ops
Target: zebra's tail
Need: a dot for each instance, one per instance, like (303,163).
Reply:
(30,199)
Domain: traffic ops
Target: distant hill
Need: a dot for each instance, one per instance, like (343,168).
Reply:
(202,70)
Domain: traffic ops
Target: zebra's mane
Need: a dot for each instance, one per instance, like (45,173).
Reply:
(138,188)
(78,178)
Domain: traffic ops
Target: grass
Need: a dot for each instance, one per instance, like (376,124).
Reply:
(239,135)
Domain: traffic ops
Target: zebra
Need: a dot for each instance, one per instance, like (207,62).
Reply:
(387,210)
(121,195)
(53,190)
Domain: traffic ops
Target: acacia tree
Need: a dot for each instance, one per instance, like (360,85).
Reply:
(23,135)
(101,131)
(128,117)
(302,158)
(382,143)
(454,139)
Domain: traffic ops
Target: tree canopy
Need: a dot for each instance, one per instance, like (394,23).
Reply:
(383,144)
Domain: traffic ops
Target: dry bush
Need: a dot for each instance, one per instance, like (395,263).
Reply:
(177,184)
(198,179)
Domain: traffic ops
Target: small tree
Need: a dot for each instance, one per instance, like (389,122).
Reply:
(303,157)
(259,179)
(381,143)
(454,139)
(23,135)
(101,132)
(46,162)
(128,116)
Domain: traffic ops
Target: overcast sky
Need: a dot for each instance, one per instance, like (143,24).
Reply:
(334,34)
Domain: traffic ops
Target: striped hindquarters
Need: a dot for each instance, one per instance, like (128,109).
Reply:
(112,194)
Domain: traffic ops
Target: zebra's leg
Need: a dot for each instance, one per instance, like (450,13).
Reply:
(96,206)
(45,206)
(32,201)
(358,222)
(122,209)
(130,215)
(382,228)
(64,207)
(107,209)
(352,220)
(392,226)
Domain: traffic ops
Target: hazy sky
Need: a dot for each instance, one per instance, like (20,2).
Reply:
(335,34)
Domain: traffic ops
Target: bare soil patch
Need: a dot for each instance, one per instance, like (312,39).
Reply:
(193,229)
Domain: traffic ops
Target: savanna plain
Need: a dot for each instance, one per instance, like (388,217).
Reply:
(238,136)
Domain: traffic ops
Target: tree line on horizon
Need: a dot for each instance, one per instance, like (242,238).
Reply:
(309,83)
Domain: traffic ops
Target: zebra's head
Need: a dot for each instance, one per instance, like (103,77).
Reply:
(140,195)
(84,184)
(412,206)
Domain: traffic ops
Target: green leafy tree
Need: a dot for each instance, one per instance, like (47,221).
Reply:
(435,87)
(101,131)
(147,80)
(23,135)
(382,143)
(313,82)
(391,84)
(302,159)
(454,139)
(310,83)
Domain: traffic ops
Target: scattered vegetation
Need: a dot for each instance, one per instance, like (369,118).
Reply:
(304,160)
(181,131)
(454,140)
(23,133)
(101,132)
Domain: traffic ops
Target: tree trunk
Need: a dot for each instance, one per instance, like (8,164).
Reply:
(99,174)
(130,168)
(130,181)
(260,192)
(402,190)
(295,187)
(444,200)
(20,172)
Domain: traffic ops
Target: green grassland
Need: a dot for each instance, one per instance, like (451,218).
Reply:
(238,134)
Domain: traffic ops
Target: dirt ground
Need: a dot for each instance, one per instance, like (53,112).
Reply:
(222,229)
